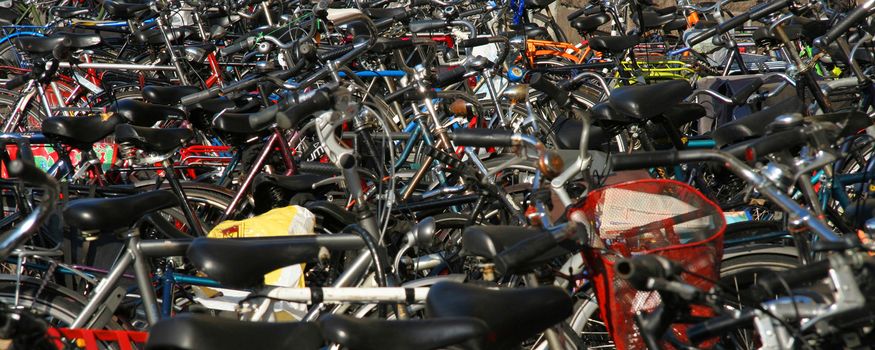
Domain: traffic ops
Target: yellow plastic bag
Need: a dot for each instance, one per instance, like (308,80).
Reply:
(286,221)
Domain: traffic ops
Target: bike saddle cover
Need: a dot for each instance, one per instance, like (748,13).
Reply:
(812,28)
(679,23)
(167,95)
(376,334)
(589,24)
(123,10)
(647,101)
(154,36)
(378,13)
(754,125)
(764,37)
(684,113)
(244,123)
(116,213)
(204,332)
(80,131)
(488,241)
(215,105)
(152,140)
(530,30)
(41,45)
(568,131)
(511,314)
(81,40)
(613,44)
(604,114)
(243,263)
(538,4)
(142,113)
(654,20)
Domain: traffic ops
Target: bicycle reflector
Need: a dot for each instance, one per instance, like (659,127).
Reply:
(662,217)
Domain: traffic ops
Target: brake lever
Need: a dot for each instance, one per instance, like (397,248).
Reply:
(822,158)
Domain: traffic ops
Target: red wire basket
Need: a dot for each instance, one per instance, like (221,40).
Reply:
(661,217)
(96,339)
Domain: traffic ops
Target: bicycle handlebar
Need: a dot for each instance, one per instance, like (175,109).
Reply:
(640,269)
(858,14)
(482,137)
(753,14)
(237,47)
(32,175)
(768,189)
(309,103)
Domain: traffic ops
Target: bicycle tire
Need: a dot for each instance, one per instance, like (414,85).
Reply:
(57,302)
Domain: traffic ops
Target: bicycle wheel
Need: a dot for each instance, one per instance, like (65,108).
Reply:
(57,305)
(207,201)
(740,267)
(32,118)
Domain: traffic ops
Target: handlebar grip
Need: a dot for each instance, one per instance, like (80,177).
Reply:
(776,142)
(319,100)
(763,10)
(702,36)
(512,258)
(237,47)
(17,81)
(450,76)
(718,326)
(386,44)
(482,137)
(641,160)
(398,95)
(542,84)
(640,269)
(318,168)
(30,174)
(426,25)
(199,96)
(592,10)
(770,284)
(740,97)
(842,26)
(576,13)
(733,23)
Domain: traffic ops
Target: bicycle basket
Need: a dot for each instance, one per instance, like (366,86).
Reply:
(661,217)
